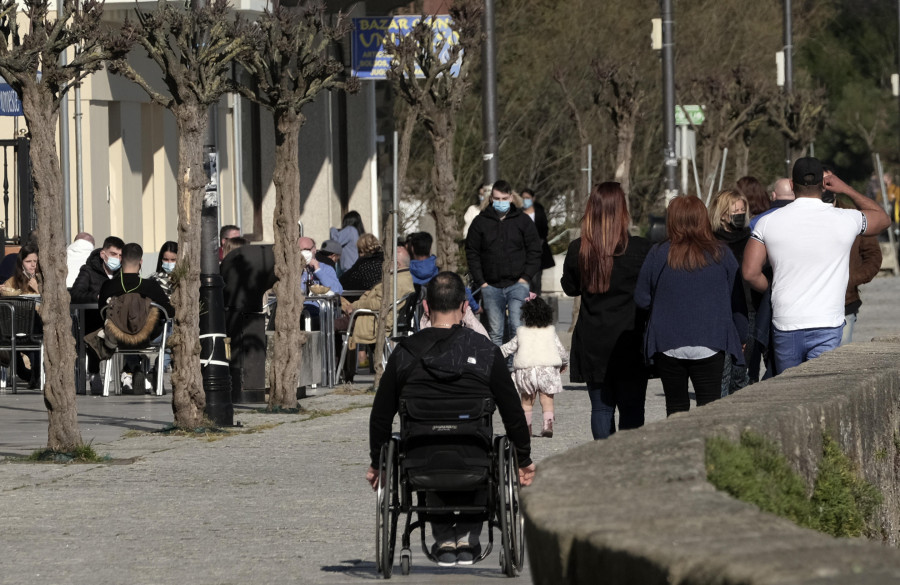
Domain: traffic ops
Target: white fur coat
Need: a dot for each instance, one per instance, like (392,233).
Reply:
(536,346)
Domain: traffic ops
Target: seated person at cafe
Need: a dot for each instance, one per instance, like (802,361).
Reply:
(366,272)
(149,325)
(365,327)
(101,265)
(318,273)
(24,282)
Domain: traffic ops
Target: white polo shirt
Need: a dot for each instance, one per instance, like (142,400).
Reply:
(808,244)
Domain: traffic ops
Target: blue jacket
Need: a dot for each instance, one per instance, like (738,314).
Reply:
(423,271)
(346,237)
(326,276)
(697,308)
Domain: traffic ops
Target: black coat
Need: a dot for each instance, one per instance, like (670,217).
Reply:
(610,327)
(91,276)
(500,252)
(543,230)
(365,272)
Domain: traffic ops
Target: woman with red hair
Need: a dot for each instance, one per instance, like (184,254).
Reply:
(687,283)
(602,267)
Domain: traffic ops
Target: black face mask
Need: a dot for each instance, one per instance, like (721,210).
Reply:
(739,220)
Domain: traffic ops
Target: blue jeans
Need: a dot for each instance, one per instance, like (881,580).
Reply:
(792,348)
(496,303)
(625,389)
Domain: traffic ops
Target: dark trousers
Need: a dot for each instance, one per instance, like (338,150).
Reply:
(705,376)
(622,388)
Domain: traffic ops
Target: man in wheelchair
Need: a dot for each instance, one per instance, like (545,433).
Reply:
(447,361)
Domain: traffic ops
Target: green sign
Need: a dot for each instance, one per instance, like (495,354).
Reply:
(694,113)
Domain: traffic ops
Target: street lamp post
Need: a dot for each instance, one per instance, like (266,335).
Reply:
(668,72)
(489,95)
(788,79)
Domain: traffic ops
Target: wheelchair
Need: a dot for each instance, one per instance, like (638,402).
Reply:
(447,445)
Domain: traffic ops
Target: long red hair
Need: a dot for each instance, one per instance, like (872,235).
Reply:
(692,243)
(604,234)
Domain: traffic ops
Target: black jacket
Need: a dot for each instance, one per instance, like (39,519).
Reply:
(610,328)
(364,274)
(543,230)
(86,288)
(501,251)
(459,362)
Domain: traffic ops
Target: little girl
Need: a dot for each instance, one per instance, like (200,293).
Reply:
(540,358)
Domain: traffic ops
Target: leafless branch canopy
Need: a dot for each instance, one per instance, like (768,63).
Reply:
(292,64)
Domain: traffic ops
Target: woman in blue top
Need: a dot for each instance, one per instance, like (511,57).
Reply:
(687,284)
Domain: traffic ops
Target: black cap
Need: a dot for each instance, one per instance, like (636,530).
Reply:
(330,247)
(808,171)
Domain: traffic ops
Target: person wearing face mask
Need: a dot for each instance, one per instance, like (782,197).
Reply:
(165,264)
(24,281)
(503,251)
(538,215)
(728,217)
(319,271)
(102,265)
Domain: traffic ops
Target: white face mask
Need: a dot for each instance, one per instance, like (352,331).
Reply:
(168,266)
(307,255)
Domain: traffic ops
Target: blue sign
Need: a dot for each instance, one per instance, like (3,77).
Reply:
(369,35)
(10,105)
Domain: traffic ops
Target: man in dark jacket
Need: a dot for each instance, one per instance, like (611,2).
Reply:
(503,250)
(455,361)
(101,265)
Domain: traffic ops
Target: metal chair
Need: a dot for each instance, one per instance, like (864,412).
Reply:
(404,301)
(114,363)
(17,331)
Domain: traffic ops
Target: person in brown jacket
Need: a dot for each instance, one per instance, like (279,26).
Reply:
(865,262)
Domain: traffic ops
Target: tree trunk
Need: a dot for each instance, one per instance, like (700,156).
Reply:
(403,148)
(444,184)
(289,265)
(188,397)
(625,134)
(59,346)
(741,161)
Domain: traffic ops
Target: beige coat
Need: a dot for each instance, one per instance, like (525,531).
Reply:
(364,329)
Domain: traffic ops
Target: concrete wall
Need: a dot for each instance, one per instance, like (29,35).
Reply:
(637,508)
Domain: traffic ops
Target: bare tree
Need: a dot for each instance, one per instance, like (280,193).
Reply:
(622,95)
(734,102)
(194,48)
(436,99)
(290,69)
(799,116)
(29,61)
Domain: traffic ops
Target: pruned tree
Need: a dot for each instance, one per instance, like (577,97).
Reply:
(798,116)
(291,67)
(194,47)
(436,98)
(29,61)
(734,102)
(621,93)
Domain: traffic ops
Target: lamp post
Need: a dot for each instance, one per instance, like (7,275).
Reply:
(668,74)
(788,79)
(489,93)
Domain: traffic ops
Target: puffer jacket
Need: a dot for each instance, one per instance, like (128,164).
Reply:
(91,277)
(500,251)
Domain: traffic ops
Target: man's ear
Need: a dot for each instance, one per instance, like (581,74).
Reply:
(464,307)
(425,307)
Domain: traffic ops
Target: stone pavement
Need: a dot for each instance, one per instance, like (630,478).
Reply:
(282,501)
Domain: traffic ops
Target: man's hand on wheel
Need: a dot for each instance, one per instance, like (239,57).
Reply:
(526,475)
(372,477)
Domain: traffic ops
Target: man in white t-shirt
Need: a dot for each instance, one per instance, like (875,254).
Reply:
(808,245)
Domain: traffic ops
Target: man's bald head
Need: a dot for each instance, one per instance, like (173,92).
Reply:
(782,191)
(305,243)
(402,258)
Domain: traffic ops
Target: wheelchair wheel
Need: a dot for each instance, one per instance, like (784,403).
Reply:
(387,510)
(512,523)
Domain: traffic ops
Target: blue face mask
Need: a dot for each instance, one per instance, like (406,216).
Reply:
(168,266)
(501,206)
(113,264)
(526,203)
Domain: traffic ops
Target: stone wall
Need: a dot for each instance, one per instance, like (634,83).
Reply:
(637,508)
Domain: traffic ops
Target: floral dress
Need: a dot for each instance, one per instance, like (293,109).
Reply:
(531,380)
